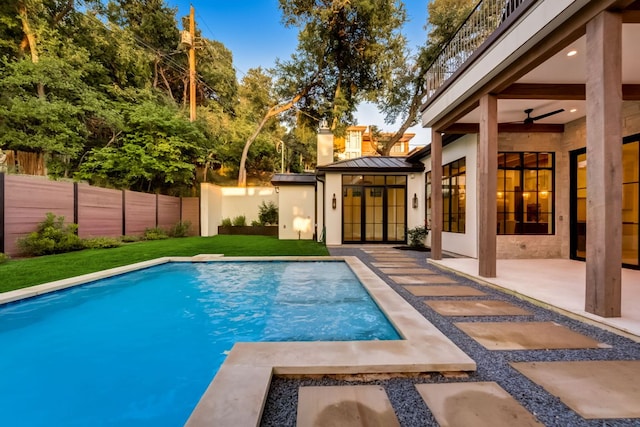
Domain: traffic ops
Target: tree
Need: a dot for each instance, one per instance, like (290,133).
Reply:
(403,97)
(157,151)
(346,52)
(97,87)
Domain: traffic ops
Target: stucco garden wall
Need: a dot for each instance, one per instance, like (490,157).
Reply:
(296,212)
(218,203)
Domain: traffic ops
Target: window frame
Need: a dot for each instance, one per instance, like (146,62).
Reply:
(521,196)
(452,173)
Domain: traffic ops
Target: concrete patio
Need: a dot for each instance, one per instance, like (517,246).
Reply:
(558,284)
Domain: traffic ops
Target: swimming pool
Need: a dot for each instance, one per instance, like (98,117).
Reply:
(141,348)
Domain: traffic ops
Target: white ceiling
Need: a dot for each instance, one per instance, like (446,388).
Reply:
(564,69)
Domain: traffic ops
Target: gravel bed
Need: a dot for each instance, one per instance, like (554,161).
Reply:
(280,408)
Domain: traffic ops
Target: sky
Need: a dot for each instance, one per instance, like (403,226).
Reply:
(253,32)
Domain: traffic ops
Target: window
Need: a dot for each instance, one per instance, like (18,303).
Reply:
(427,197)
(525,202)
(352,144)
(453,196)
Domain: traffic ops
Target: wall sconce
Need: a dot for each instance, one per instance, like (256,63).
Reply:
(333,201)
(415,201)
(277,189)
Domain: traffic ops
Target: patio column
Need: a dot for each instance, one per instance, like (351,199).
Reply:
(604,165)
(487,185)
(436,195)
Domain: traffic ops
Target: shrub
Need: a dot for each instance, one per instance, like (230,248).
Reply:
(101,243)
(239,221)
(255,223)
(180,229)
(130,239)
(3,258)
(155,233)
(51,237)
(268,213)
(417,236)
(226,222)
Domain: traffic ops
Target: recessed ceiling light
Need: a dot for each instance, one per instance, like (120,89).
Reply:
(573,110)
(572,53)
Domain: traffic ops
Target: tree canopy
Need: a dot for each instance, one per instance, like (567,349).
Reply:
(100,88)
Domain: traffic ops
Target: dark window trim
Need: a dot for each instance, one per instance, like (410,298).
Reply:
(522,169)
(450,177)
(385,218)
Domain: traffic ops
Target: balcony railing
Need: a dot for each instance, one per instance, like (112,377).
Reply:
(485,18)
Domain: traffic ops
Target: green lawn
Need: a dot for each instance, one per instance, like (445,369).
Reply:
(17,274)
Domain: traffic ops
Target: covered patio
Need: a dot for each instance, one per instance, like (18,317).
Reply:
(558,284)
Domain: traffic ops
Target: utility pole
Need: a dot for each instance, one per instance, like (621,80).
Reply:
(192,65)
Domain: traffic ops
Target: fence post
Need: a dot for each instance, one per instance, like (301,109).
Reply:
(1,212)
(157,216)
(124,214)
(75,206)
(180,208)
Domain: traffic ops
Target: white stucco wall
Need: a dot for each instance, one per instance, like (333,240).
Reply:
(333,217)
(462,243)
(415,185)
(210,208)
(320,209)
(465,243)
(218,203)
(296,212)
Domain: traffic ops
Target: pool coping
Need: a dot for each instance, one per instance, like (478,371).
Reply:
(237,394)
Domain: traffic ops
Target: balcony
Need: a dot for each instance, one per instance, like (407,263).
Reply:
(487,17)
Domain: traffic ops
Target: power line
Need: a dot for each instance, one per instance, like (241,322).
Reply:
(201,19)
(166,55)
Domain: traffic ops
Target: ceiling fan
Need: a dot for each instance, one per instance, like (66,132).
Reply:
(529,120)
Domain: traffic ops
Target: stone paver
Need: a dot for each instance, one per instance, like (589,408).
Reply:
(477,404)
(444,291)
(408,271)
(393,259)
(421,280)
(396,264)
(526,336)
(594,389)
(345,406)
(477,308)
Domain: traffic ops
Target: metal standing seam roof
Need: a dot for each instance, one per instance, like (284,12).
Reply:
(373,164)
(280,179)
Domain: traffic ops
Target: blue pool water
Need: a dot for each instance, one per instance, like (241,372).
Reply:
(141,348)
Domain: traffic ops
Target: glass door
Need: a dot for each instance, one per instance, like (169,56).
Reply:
(352,214)
(374,208)
(374,214)
(579,205)
(396,201)
(630,203)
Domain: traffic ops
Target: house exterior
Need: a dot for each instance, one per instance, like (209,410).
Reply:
(359,142)
(522,119)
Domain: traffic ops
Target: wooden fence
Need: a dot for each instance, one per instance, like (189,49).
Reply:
(99,212)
